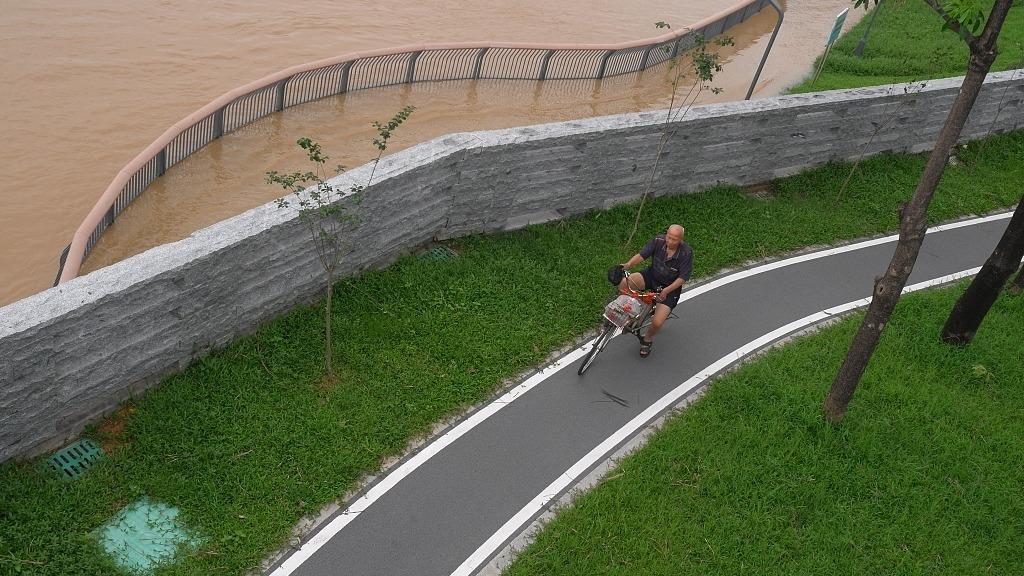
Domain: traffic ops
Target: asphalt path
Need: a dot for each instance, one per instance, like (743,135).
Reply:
(451,506)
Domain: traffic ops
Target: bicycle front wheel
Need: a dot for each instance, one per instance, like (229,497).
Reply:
(607,331)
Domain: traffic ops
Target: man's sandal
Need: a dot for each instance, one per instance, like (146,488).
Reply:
(645,348)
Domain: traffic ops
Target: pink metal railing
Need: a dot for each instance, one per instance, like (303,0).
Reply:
(362,70)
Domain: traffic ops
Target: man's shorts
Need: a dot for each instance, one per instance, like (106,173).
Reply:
(672,299)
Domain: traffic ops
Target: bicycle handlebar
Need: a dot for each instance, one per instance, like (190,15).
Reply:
(628,288)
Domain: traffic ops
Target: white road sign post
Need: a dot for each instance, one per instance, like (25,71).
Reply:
(837,28)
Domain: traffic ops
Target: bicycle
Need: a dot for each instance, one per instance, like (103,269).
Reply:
(630,312)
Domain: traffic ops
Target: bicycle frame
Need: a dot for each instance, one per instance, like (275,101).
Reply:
(634,326)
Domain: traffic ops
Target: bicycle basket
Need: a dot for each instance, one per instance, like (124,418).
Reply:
(623,310)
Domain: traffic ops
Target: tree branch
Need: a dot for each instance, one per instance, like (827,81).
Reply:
(971,40)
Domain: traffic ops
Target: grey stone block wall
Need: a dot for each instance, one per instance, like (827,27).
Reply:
(72,353)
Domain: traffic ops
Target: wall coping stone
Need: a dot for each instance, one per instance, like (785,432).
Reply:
(51,303)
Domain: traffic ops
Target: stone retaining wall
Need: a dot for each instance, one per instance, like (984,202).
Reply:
(72,353)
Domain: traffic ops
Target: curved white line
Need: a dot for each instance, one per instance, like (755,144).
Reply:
(428,451)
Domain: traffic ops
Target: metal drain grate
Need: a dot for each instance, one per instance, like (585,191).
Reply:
(440,253)
(73,461)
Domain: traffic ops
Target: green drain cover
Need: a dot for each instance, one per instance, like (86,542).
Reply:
(144,535)
(440,253)
(73,461)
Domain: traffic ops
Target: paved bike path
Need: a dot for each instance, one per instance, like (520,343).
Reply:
(450,507)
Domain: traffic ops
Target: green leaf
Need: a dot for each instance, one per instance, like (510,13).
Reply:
(968,13)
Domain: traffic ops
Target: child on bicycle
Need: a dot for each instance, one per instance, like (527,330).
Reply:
(670,268)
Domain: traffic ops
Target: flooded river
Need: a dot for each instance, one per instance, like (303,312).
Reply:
(88,84)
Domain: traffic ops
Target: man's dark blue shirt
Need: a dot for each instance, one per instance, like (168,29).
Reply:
(664,269)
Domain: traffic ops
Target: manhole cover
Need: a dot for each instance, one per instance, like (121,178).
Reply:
(144,535)
(73,461)
(440,253)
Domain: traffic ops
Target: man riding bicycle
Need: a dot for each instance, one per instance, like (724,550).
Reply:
(670,268)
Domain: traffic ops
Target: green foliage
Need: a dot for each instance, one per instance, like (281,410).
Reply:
(320,208)
(904,46)
(705,65)
(922,478)
(316,200)
(385,131)
(706,62)
(968,13)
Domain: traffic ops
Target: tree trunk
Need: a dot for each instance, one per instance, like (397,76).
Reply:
(913,224)
(328,350)
(970,309)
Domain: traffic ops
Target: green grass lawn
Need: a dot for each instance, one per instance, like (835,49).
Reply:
(924,476)
(906,44)
(246,441)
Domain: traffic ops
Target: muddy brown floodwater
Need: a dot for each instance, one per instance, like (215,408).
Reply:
(86,85)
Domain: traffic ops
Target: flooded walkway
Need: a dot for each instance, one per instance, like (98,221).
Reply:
(90,84)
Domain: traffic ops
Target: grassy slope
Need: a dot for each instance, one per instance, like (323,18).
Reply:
(906,44)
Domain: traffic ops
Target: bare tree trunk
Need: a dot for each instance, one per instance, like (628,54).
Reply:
(970,309)
(327,326)
(913,223)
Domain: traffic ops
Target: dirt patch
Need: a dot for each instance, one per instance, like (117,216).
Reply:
(762,191)
(323,386)
(111,431)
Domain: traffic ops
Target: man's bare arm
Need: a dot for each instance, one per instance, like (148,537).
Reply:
(678,282)
(636,259)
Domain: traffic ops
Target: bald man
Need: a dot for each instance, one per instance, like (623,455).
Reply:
(670,268)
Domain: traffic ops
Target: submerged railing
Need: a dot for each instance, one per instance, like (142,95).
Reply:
(362,70)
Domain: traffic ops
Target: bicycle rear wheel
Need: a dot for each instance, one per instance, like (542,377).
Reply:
(607,331)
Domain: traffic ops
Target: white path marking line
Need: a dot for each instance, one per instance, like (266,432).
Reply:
(409,466)
(828,252)
(514,524)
